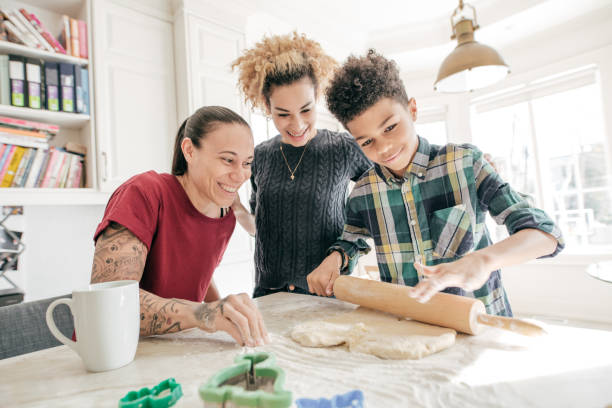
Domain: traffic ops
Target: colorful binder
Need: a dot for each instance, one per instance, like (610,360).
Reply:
(52,89)
(34,80)
(17,80)
(66,73)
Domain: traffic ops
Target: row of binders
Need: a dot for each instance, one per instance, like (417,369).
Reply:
(37,84)
(26,160)
(22,27)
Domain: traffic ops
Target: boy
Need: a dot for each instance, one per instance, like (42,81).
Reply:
(424,205)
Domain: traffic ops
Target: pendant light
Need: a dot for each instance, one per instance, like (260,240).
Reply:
(471,65)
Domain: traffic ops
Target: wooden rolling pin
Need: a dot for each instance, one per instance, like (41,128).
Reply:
(461,313)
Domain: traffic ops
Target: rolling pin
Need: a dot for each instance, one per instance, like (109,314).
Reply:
(461,313)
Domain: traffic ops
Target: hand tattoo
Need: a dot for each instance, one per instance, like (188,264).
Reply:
(207,314)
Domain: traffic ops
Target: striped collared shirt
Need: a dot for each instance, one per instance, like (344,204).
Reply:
(436,214)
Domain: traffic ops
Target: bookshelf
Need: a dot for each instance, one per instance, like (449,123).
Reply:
(63,119)
(74,127)
(7,47)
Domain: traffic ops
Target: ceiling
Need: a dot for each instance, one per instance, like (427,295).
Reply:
(417,32)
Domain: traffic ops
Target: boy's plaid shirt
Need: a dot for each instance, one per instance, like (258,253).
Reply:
(436,214)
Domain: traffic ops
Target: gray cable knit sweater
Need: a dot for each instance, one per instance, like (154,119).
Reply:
(298,220)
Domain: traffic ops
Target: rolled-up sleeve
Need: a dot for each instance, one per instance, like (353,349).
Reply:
(355,232)
(507,206)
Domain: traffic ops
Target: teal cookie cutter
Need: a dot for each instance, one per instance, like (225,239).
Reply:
(253,381)
(165,394)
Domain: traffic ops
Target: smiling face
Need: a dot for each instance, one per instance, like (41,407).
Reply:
(385,132)
(221,165)
(293,111)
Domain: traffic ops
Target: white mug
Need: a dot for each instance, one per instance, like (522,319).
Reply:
(106,322)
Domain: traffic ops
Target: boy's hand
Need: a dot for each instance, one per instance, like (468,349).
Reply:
(469,273)
(321,280)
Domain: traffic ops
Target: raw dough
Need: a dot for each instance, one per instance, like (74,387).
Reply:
(368,331)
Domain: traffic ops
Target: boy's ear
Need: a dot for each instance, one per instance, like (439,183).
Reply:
(412,108)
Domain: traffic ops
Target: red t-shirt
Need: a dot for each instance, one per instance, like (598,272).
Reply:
(184,245)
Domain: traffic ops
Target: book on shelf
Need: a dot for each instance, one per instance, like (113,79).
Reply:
(27,168)
(15,27)
(66,72)
(5,88)
(30,167)
(12,166)
(3,33)
(34,172)
(12,33)
(23,163)
(83,48)
(31,25)
(75,47)
(6,158)
(40,42)
(22,27)
(34,82)
(46,34)
(64,36)
(23,141)
(79,90)
(47,129)
(52,95)
(17,80)
(85,89)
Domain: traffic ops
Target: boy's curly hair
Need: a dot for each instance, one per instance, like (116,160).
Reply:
(281,60)
(360,83)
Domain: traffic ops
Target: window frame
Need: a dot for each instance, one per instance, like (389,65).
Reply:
(534,86)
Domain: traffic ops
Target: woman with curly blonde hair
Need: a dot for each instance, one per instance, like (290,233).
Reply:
(300,177)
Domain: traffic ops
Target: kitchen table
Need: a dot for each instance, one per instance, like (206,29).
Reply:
(569,367)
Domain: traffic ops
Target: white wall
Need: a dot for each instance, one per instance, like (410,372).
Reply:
(59,248)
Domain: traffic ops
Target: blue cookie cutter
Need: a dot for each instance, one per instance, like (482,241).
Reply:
(352,399)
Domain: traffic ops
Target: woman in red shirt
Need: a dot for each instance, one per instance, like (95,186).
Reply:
(169,231)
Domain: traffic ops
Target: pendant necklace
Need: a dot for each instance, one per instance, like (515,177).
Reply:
(299,161)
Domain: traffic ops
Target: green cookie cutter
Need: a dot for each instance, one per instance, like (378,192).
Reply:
(253,381)
(165,394)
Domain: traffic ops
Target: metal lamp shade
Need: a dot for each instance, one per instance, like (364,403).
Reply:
(470,66)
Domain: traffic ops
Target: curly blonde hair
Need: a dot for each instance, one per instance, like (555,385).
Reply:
(281,60)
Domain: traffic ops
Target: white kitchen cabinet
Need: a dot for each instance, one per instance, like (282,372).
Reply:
(205,47)
(135,98)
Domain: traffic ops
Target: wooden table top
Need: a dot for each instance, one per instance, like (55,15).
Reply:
(569,367)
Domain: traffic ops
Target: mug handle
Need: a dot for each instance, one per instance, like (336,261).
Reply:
(51,323)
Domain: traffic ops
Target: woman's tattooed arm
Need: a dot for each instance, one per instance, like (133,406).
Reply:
(120,255)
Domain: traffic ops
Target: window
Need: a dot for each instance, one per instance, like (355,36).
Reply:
(547,139)
(431,124)
(263,129)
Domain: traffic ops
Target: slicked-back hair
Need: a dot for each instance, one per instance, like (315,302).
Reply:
(196,127)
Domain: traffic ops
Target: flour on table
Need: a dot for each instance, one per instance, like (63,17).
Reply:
(368,331)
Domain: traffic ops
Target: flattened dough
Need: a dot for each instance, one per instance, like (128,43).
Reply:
(368,331)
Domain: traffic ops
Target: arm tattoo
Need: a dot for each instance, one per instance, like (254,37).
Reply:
(159,315)
(119,255)
(206,314)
